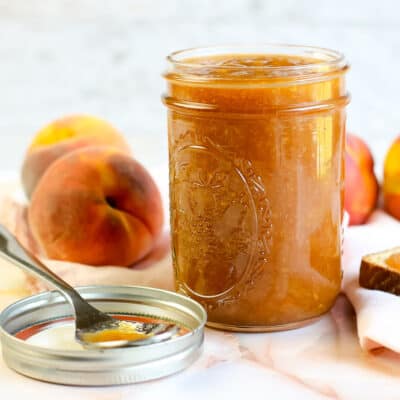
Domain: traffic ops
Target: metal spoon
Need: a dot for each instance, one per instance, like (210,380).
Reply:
(88,319)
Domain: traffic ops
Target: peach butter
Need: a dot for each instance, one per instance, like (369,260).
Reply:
(256,139)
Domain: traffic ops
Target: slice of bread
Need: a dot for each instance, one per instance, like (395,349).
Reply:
(381,271)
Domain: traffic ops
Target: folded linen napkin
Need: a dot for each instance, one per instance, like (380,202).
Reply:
(378,313)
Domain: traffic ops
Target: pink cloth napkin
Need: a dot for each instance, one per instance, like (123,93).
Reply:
(378,313)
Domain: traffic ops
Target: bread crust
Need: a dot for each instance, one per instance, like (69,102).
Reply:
(379,276)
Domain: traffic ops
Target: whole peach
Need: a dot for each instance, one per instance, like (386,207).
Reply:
(96,206)
(391,180)
(62,136)
(361,185)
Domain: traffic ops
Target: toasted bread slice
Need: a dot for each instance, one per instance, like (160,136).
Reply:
(381,271)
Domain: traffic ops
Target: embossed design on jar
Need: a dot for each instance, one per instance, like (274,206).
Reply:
(221,221)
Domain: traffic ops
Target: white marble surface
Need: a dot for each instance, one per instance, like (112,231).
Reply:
(105,57)
(321,361)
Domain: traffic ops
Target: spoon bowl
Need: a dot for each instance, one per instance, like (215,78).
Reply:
(124,334)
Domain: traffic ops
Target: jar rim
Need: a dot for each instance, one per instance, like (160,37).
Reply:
(329,60)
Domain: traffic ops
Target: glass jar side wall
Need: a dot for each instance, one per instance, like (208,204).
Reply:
(256,207)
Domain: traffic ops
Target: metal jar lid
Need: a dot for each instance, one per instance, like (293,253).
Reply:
(102,367)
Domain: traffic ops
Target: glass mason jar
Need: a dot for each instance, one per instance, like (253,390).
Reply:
(256,152)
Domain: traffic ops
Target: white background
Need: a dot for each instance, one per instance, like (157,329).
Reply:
(106,57)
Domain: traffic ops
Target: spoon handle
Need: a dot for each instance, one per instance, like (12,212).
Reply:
(12,251)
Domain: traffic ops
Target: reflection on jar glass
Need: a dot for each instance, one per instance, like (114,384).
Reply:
(256,143)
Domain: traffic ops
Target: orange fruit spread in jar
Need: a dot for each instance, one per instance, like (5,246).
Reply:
(256,184)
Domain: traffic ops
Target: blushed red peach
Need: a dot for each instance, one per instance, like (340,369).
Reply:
(62,136)
(96,206)
(361,185)
(391,180)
